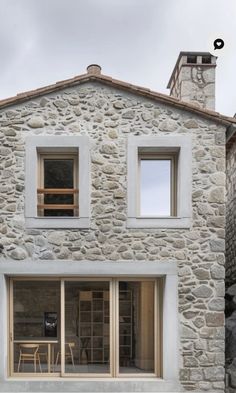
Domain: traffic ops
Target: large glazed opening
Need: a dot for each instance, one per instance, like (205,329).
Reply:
(84,327)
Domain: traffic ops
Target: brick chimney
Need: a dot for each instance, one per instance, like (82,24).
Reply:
(193,79)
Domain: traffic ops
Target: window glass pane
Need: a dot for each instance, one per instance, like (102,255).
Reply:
(136,327)
(36,325)
(87,327)
(58,173)
(58,213)
(155,187)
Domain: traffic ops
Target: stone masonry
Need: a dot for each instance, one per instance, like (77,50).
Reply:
(193,79)
(108,115)
(231,213)
(230,309)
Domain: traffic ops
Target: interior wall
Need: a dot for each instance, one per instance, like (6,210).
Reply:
(145,342)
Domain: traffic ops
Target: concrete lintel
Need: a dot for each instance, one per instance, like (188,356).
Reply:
(87,268)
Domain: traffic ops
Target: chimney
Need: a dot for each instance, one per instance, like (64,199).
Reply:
(94,69)
(193,79)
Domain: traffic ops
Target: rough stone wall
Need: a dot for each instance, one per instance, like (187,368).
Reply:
(230,309)
(195,84)
(231,215)
(108,116)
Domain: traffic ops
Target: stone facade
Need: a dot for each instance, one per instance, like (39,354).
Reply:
(231,213)
(230,309)
(108,115)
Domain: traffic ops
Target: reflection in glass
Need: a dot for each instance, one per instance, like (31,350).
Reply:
(155,187)
(59,173)
(87,326)
(36,316)
(136,327)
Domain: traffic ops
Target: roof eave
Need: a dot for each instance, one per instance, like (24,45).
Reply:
(167,100)
(231,133)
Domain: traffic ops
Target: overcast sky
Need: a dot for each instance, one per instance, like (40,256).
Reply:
(137,41)
(155,181)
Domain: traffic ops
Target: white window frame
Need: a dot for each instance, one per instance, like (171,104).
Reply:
(57,144)
(169,144)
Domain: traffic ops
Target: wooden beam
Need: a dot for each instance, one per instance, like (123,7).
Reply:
(57,207)
(62,191)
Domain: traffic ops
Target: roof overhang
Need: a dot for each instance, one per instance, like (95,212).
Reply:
(138,90)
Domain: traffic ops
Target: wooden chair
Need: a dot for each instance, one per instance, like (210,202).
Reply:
(68,353)
(29,353)
(42,352)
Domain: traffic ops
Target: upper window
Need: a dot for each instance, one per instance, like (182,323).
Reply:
(57,182)
(159,181)
(157,178)
(58,185)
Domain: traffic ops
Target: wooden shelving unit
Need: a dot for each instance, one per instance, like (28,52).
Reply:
(126,327)
(93,326)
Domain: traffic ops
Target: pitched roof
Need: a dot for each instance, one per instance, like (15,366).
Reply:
(94,74)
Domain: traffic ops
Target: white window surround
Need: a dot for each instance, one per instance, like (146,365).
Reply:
(168,143)
(49,144)
(63,268)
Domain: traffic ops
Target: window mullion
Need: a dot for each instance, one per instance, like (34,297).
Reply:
(112,332)
(116,327)
(63,327)
(156,330)
(11,328)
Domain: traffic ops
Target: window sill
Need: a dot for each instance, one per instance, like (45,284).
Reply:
(89,385)
(161,222)
(57,222)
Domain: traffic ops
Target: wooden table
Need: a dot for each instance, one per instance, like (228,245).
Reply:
(41,341)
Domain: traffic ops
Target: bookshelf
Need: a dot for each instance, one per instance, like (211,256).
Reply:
(93,326)
(125,327)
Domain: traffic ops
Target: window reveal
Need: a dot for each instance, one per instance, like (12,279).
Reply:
(157,184)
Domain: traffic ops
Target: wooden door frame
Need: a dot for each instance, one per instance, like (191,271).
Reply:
(114,327)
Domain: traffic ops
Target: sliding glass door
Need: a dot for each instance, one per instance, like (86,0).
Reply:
(87,327)
(136,327)
(78,327)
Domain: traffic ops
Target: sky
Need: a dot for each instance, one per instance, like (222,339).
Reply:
(155,187)
(136,41)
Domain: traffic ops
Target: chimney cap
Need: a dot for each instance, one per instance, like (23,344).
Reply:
(94,69)
(190,54)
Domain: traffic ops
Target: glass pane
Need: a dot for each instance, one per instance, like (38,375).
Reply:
(58,173)
(36,326)
(58,212)
(136,327)
(155,187)
(87,327)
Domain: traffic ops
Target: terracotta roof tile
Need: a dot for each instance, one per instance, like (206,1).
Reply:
(165,99)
